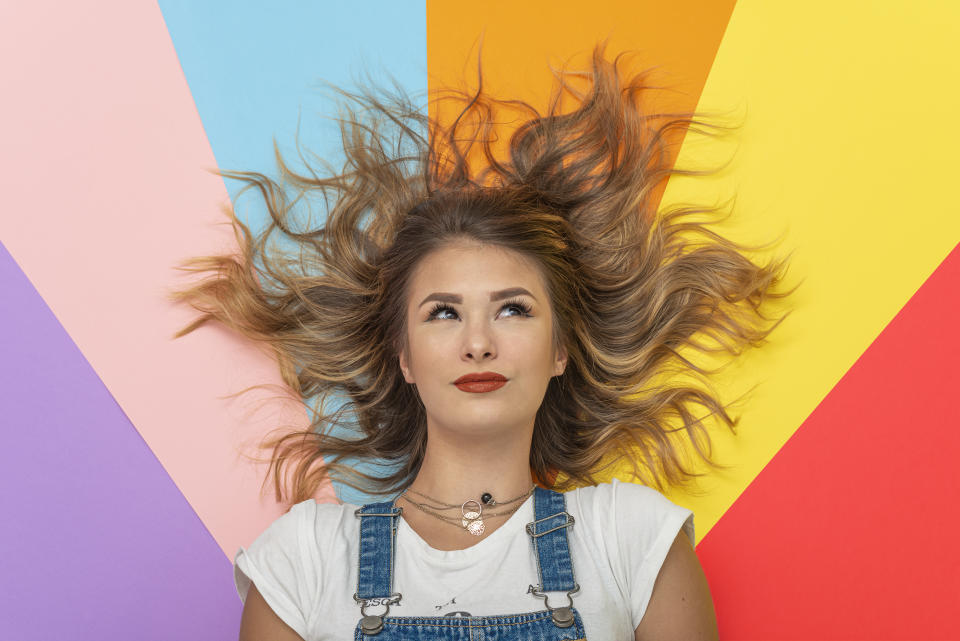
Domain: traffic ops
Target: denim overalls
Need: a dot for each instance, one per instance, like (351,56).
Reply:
(548,534)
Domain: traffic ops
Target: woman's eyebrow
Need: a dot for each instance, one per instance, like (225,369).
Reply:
(445,297)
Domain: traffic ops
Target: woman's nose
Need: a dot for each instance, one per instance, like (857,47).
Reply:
(478,343)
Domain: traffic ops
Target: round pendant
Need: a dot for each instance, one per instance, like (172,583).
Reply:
(472,523)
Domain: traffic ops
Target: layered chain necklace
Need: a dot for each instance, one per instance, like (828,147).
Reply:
(471,519)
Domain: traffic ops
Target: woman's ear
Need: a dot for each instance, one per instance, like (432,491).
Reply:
(560,364)
(404,365)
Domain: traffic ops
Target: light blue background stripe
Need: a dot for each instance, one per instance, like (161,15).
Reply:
(254,68)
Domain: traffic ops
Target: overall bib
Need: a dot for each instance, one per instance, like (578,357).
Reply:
(548,535)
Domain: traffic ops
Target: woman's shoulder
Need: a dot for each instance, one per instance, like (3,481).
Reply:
(617,492)
(629,507)
(297,540)
(315,523)
(291,558)
(628,528)
(305,514)
(306,530)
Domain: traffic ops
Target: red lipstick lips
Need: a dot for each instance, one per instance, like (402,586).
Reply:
(481,382)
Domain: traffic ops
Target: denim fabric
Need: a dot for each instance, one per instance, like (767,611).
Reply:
(378,535)
(548,536)
(533,626)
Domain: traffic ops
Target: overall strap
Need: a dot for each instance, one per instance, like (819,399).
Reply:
(378,535)
(548,532)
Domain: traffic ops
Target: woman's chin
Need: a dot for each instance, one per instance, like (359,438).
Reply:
(487,427)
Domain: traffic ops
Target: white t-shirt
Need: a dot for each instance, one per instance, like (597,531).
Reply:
(305,564)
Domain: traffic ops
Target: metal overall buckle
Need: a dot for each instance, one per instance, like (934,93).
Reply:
(532,526)
(373,623)
(562,616)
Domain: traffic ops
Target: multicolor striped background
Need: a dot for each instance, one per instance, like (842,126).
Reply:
(125,489)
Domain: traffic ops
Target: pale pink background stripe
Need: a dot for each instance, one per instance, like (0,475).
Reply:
(104,191)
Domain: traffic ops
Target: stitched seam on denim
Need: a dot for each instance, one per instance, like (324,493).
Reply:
(522,617)
(393,550)
(360,557)
(534,540)
(468,624)
(565,538)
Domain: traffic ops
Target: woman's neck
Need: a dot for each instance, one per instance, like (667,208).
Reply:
(456,469)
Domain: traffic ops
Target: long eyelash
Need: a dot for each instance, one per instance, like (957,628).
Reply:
(519,304)
(439,307)
(443,307)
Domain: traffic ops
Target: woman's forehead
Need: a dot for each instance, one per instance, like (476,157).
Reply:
(474,267)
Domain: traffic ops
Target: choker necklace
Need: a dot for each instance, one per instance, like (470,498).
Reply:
(485,499)
(471,519)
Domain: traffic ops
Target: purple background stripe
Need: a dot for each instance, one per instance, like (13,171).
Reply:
(97,542)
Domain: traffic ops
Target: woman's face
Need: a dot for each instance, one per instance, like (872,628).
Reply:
(479,309)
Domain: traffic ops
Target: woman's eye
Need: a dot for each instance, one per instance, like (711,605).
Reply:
(441,311)
(520,309)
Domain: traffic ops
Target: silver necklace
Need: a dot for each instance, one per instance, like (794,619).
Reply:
(471,519)
(485,499)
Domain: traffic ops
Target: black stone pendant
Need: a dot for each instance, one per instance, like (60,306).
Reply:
(486,498)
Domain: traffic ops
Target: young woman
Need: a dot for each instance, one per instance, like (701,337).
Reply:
(500,324)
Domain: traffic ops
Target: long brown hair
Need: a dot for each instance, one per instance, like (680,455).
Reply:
(573,188)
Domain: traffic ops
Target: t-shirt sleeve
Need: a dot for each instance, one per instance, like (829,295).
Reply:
(647,524)
(275,562)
